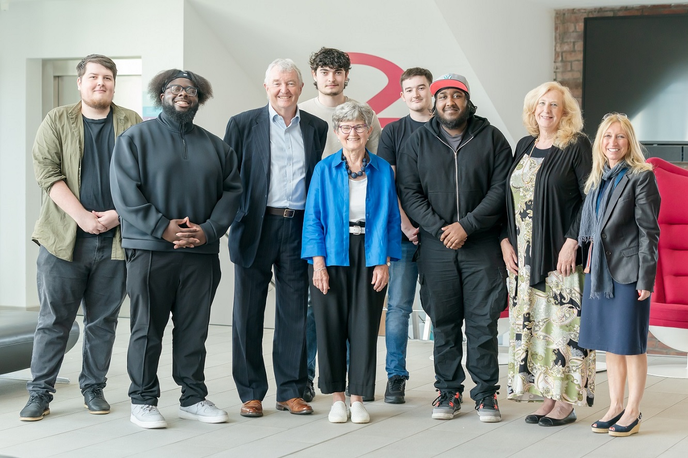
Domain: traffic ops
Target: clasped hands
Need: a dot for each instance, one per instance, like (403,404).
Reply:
(453,236)
(184,234)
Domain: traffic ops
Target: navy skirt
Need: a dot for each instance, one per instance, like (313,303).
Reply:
(618,325)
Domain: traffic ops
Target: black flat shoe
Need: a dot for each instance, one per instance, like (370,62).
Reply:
(547,421)
(603,426)
(624,431)
(534,419)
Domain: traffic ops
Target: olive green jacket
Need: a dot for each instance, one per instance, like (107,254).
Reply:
(57,153)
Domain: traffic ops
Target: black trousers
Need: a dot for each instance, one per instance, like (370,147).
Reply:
(279,249)
(160,283)
(468,285)
(350,311)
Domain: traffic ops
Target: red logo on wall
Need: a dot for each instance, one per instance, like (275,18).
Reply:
(390,93)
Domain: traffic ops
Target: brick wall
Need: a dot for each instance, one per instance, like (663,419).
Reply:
(568,68)
(568,38)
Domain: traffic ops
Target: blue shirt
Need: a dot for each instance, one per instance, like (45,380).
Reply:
(287,187)
(326,221)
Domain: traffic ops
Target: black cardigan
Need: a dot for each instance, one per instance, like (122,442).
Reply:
(557,203)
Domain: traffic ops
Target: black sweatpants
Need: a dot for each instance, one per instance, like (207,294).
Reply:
(468,285)
(159,283)
(351,311)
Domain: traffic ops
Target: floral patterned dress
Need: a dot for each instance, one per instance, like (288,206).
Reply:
(544,357)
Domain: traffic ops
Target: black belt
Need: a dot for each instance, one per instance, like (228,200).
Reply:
(357,223)
(283,212)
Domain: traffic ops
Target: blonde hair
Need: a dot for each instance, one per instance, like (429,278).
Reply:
(571,122)
(634,157)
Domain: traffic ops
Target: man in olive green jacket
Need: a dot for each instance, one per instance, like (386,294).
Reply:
(80,260)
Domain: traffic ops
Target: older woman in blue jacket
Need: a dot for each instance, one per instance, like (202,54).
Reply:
(351,232)
(620,230)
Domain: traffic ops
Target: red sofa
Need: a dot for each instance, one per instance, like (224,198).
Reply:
(669,303)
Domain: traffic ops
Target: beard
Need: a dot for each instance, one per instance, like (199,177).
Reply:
(97,104)
(455,123)
(182,117)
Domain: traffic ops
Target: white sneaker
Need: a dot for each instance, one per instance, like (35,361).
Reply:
(204,411)
(359,414)
(339,413)
(147,416)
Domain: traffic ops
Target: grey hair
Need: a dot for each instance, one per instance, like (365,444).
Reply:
(352,111)
(285,65)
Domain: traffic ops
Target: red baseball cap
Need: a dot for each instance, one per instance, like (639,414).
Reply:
(450,80)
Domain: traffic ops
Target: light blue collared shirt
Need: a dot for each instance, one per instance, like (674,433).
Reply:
(287,163)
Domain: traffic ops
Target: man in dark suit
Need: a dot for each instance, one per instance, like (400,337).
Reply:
(278,146)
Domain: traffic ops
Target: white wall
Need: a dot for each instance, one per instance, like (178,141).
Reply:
(503,47)
(36,30)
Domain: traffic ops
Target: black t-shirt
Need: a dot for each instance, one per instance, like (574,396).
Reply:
(99,141)
(392,139)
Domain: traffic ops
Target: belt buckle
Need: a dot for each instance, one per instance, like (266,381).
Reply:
(288,213)
(357,230)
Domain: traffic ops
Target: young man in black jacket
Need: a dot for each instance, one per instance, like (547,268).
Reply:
(451,176)
(176,187)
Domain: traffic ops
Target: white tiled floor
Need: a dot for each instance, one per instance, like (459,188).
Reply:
(395,431)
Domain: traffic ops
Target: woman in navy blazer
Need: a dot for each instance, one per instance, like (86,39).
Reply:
(351,232)
(619,233)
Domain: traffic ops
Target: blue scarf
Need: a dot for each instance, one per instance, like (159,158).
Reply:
(591,230)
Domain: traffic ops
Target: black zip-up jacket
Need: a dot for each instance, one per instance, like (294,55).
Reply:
(439,186)
(161,171)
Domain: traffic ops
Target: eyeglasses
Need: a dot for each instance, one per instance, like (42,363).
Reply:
(359,128)
(614,113)
(176,89)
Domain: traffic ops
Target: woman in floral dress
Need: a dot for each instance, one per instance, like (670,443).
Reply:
(540,249)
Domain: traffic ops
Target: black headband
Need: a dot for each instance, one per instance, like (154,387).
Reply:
(180,74)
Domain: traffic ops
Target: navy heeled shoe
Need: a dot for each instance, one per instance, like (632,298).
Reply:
(624,431)
(603,426)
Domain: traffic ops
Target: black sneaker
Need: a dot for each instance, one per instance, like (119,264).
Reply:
(309,392)
(488,409)
(396,390)
(95,402)
(447,405)
(36,408)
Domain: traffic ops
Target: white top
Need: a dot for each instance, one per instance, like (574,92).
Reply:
(332,145)
(357,199)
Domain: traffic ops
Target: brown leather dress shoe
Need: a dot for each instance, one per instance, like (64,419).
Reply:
(297,406)
(252,408)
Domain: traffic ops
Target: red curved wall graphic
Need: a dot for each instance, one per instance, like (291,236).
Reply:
(388,94)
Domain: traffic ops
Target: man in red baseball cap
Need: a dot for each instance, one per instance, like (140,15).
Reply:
(451,176)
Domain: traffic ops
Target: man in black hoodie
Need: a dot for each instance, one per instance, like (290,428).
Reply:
(451,176)
(176,188)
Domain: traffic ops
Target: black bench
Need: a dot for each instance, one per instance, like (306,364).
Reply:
(16,339)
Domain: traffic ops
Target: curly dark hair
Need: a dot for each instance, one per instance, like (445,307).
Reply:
(330,57)
(160,81)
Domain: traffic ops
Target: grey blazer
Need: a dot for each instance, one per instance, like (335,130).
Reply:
(630,230)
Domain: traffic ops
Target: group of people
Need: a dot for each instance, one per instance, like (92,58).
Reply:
(339,211)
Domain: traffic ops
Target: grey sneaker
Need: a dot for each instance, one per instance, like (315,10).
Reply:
(147,416)
(204,411)
(36,407)
(94,401)
(488,409)
(447,405)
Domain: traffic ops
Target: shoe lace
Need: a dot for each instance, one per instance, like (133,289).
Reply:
(445,397)
(396,383)
(38,398)
(97,392)
(488,401)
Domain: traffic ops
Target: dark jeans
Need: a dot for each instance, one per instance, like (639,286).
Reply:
(93,280)
(182,283)
(468,285)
